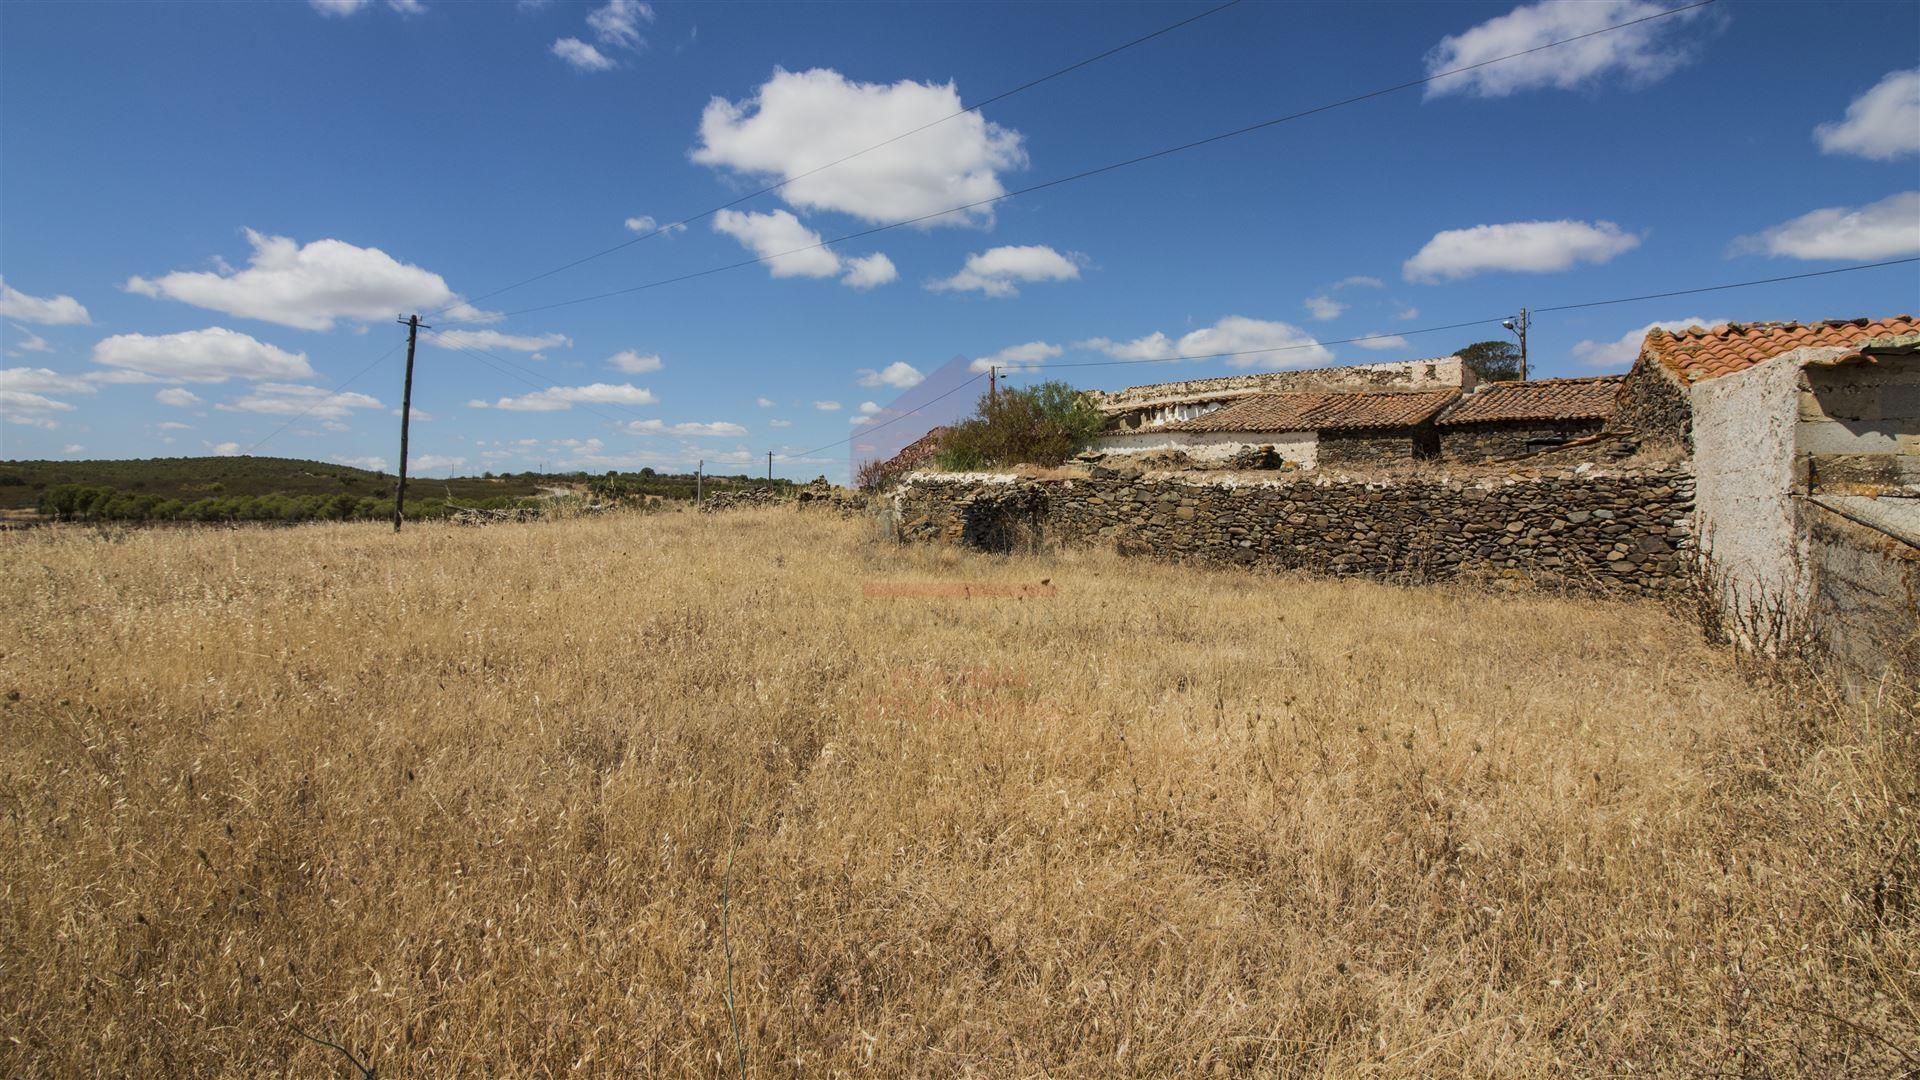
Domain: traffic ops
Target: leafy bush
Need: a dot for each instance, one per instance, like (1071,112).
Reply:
(1039,425)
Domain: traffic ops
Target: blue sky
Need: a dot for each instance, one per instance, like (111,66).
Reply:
(210,213)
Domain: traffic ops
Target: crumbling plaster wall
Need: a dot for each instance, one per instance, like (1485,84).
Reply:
(1436,374)
(1859,426)
(1743,452)
(1295,446)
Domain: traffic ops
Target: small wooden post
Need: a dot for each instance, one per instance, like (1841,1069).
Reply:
(699,479)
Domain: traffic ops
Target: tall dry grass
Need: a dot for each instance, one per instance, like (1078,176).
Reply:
(468,802)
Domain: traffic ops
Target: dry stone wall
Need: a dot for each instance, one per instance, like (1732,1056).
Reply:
(1624,532)
(1494,441)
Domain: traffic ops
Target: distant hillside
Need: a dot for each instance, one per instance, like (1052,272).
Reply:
(194,479)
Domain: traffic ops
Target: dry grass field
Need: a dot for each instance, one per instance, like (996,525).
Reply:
(668,795)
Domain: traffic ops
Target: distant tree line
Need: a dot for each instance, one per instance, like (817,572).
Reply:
(83,502)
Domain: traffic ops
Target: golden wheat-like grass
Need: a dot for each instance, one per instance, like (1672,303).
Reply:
(465,803)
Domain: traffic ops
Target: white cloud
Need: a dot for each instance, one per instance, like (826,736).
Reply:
(900,375)
(997,271)
(764,402)
(718,428)
(173,425)
(1263,343)
(790,249)
(426,462)
(1383,341)
(1324,308)
(1359,281)
(211,355)
(1623,351)
(633,362)
(370,463)
(615,25)
(581,56)
(644,223)
(1407,313)
(1151,347)
(46,311)
(559,398)
(494,339)
(869,271)
(1529,246)
(307,287)
(177,397)
(43,381)
(289,399)
(827,406)
(1636,55)
(779,234)
(338,8)
(1882,124)
(1017,358)
(226,449)
(33,343)
(1883,230)
(779,423)
(799,121)
(618,23)
(72,448)
(29,409)
(408,7)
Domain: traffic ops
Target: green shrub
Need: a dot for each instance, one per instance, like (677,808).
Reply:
(1038,425)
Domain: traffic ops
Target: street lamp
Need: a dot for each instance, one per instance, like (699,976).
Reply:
(1517,326)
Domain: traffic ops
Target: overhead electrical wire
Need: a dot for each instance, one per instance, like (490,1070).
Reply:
(337,387)
(975,107)
(1112,166)
(1043,367)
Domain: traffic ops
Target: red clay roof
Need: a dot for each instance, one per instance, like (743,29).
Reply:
(1697,353)
(1321,412)
(1542,399)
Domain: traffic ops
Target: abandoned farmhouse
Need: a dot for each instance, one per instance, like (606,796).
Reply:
(1776,465)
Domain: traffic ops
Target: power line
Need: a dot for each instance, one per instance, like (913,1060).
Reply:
(1038,367)
(342,385)
(1735,285)
(1480,322)
(975,107)
(533,379)
(1128,162)
(876,427)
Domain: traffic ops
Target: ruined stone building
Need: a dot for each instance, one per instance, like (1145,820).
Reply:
(1512,419)
(1356,416)
(1783,459)
(1806,446)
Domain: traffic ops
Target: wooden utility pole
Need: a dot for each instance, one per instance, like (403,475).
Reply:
(993,383)
(412,323)
(699,480)
(769,466)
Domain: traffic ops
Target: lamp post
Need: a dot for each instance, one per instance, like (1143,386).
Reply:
(1517,326)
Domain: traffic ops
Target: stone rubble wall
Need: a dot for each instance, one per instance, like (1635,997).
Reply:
(1623,532)
(1511,439)
(1654,406)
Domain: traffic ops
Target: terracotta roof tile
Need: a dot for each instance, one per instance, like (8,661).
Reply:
(1697,353)
(1321,412)
(1542,399)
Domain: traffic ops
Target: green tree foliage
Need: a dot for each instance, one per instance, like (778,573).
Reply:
(1495,361)
(1038,425)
